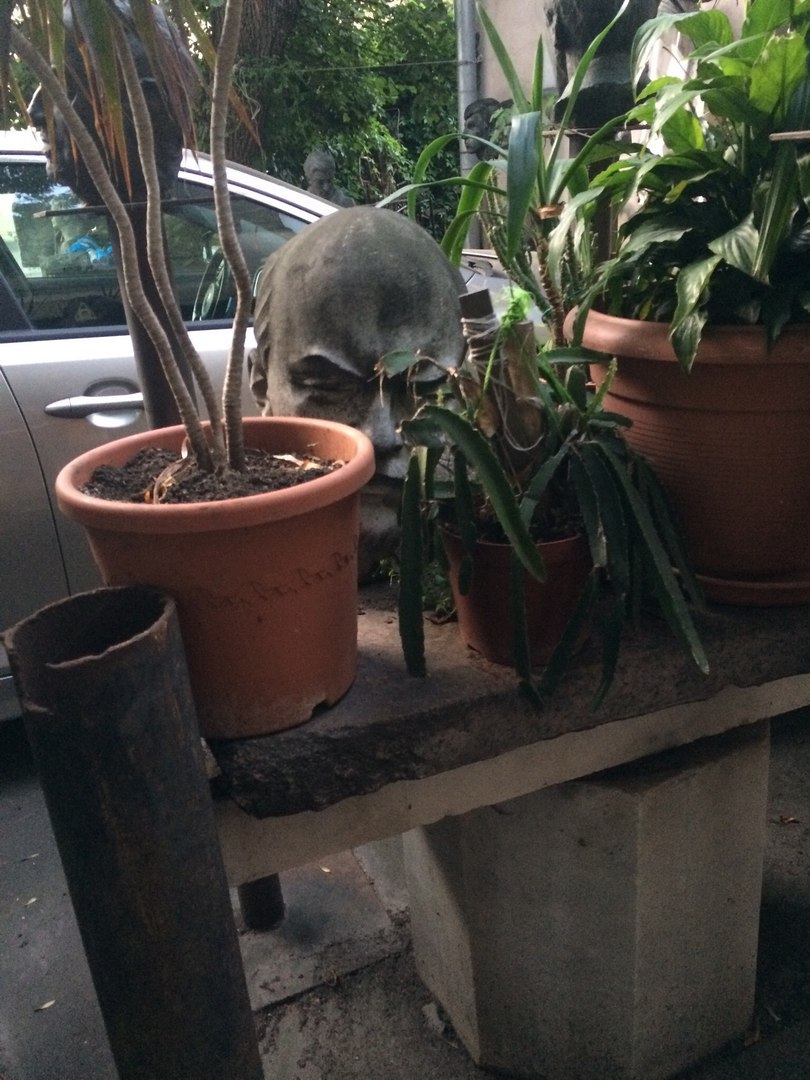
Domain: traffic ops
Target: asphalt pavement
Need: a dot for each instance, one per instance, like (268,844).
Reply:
(334,989)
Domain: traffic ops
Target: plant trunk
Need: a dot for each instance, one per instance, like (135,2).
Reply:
(159,403)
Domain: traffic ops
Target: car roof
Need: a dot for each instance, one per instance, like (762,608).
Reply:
(25,142)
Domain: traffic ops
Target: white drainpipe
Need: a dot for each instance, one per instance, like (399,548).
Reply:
(467,59)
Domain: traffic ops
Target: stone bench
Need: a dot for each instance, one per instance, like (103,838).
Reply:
(584,884)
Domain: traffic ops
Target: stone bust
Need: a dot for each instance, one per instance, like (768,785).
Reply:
(348,289)
(319,170)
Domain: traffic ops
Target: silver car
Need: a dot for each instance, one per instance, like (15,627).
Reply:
(67,373)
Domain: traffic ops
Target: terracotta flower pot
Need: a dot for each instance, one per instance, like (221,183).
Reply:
(731,444)
(485,614)
(265,585)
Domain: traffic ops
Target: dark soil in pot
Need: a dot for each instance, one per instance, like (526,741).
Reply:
(160,476)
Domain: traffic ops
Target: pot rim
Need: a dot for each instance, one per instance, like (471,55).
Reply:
(548,547)
(244,510)
(721,345)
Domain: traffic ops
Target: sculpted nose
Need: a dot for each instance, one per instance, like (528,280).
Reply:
(381,427)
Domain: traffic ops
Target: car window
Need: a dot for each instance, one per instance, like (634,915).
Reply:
(57,260)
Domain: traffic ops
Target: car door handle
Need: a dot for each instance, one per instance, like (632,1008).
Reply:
(86,404)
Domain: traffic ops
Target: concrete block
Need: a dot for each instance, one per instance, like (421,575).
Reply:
(604,928)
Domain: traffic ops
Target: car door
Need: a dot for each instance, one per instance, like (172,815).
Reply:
(67,373)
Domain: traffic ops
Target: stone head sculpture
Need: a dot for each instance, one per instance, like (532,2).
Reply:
(319,169)
(357,284)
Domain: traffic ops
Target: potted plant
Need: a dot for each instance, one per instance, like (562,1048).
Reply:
(518,448)
(705,302)
(94,65)
(527,479)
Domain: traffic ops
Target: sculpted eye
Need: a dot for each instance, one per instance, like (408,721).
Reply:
(319,373)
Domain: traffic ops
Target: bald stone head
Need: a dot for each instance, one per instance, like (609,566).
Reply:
(347,290)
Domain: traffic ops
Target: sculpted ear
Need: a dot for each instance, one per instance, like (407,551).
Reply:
(257,374)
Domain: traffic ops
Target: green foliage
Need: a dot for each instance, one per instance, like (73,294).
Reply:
(520,448)
(370,82)
(723,227)
(544,173)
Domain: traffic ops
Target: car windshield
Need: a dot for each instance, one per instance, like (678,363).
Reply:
(57,259)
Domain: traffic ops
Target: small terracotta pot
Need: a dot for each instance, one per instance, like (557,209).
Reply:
(265,585)
(485,616)
(731,444)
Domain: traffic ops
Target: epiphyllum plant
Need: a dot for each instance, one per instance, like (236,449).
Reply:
(92,89)
(518,445)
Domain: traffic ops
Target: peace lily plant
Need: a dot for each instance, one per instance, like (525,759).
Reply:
(716,187)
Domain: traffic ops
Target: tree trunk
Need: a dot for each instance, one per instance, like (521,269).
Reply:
(266,25)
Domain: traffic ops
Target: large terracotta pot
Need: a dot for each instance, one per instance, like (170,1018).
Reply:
(731,444)
(265,585)
(485,616)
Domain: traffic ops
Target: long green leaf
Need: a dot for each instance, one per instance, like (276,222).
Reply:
(411,625)
(520,630)
(521,177)
(505,61)
(667,589)
(571,92)
(572,635)
(777,214)
(589,508)
(479,454)
(611,627)
(612,517)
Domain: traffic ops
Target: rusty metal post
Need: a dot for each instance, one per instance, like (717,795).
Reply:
(110,719)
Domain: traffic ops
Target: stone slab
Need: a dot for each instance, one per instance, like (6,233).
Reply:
(392,728)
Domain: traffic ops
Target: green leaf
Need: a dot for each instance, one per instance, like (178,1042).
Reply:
(738,246)
(687,322)
(764,16)
(571,93)
(611,627)
(776,73)
(701,27)
(463,505)
(504,61)
(668,592)
(473,188)
(656,498)
(572,635)
(411,626)
(777,214)
(394,363)
(588,503)
(611,515)
(521,177)
(520,629)
(479,454)
(536,487)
